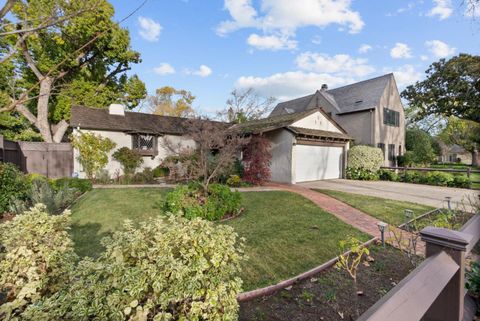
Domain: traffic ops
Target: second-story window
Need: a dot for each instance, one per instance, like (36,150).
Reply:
(391,117)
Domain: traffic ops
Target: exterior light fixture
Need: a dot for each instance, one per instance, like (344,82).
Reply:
(408,216)
(448,199)
(382,227)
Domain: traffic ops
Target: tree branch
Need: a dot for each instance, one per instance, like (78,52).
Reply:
(30,61)
(6,8)
(26,113)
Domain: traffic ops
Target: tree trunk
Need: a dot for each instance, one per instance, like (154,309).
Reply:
(475,157)
(42,109)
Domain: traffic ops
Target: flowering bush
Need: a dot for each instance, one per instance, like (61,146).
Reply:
(36,259)
(366,158)
(256,160)
(166,269)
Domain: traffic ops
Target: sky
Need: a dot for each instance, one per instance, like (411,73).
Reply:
(289,48)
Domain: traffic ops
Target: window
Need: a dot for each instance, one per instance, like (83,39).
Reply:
(391,117)
(382,147)
(145,144)
(391,152)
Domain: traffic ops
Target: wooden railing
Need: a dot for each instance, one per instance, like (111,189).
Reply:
(467,171)
(435,290)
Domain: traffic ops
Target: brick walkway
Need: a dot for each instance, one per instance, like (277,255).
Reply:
(344,212)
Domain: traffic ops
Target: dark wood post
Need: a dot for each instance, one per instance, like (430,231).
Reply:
(469,172)
(449,305)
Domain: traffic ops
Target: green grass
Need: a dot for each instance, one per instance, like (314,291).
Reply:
(386,210)
(285,233)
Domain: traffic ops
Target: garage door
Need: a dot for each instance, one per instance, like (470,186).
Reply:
(317,162)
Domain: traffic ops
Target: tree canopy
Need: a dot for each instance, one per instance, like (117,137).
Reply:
(464,133)
(244,105)
(80,59)
(452,88)
(169,101)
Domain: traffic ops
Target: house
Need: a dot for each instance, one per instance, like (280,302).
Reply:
(306,146)
(454,154)
(370,111)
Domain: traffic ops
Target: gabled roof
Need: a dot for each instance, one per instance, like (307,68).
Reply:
(317,132)
(101,119)
(360,96)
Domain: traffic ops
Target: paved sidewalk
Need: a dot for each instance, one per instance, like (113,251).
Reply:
(344,212)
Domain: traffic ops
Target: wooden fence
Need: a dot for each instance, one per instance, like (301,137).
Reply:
(49,159)
(467,171)
(435,290)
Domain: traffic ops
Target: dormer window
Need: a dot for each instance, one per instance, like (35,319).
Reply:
(144,144)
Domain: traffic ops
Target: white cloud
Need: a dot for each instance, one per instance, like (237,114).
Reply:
(316,40)
(423,57)
(401,50)
(164,69)
(290,84)
(286,16)
(442,8)
(149,29)
(364,48)
(339,64)
(272,42)
(439,48)
(405,75)
(203,71)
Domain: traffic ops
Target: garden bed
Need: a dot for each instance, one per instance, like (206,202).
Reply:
(328,295)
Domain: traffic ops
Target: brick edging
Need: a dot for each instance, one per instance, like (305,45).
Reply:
(250,295)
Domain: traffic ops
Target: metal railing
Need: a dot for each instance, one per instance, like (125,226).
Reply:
(435,290)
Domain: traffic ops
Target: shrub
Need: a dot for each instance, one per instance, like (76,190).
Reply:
(461,181)
(129,159)
(160,171)
(37,259)
(181,167)
(256,160)
(191,201)
(364,162)
(234,181)
(13,186)
(82,185)
(473,279)
(438,178)
(387,175)
(42,191)
(144,177)
(172,269)
(103,177)
(93,151)
(412,177)
(361,174)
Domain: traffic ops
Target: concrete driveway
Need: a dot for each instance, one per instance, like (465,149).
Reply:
(422,194)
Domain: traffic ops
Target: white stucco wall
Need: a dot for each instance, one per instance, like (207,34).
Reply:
(281,149)
(125,140)
(316,121)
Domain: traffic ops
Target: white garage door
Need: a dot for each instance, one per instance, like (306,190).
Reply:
(317,162)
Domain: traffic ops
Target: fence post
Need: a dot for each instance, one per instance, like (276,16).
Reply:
(468,172)
(449,305)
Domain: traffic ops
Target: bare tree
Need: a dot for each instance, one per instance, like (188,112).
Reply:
(244,105)
(216,149)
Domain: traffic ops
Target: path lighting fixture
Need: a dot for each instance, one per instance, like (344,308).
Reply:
(382,227)
(448,199)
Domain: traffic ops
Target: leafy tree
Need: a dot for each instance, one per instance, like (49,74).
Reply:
(419,143)
(80,60)
(130,159)
(463,133)
(244,105)
(169,101)
(93,151)
(14,126)
(452,88)
(256,159)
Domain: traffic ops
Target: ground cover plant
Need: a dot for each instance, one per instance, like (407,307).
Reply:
(328,295)
(285,233)
(386,210)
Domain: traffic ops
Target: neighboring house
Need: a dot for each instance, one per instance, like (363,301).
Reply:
(306,146)
(454,154)
(370,111)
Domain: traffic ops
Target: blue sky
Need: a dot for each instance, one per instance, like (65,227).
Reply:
(287,48)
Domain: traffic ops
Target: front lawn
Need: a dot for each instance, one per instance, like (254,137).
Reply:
(285,233)
(386,210)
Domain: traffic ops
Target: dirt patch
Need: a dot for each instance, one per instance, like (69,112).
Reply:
(329,294)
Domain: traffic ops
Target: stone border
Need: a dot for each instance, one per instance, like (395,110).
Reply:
(250,295)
